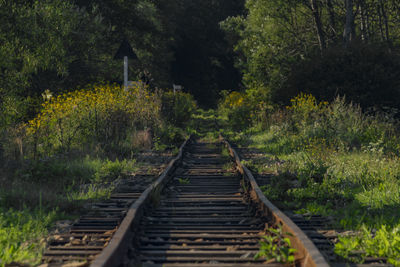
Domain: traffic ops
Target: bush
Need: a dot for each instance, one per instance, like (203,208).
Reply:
(177,108)
(339,124)
(101,116)
(168,137)
(236,108)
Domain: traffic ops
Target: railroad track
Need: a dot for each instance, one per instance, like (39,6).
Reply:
(204,210)
(202,217)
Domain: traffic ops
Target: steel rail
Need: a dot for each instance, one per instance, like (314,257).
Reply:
(113,254)
(116,252)
(307,254)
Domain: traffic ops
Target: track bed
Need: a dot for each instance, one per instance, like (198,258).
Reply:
(205,209)
(203,218)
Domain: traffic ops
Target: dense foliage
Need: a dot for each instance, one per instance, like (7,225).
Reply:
(59,45)
(236,109)
(104,116)
(323,47)
(203,58)
(178,107)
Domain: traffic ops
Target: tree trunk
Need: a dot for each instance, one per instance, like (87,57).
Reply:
(385,21)
(380,22)
(349,32)
(318,24)
(368,22)
(363,22)
(332,20)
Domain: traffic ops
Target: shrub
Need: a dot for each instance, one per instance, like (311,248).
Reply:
(339,124)
(177,108)
(168,137)
(236,108)
(97,116)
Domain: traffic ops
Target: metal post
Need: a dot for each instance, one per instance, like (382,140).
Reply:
(126,72)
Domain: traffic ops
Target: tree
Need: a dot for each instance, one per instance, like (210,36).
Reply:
(278,40)
(203,59)
(349,29)
(144,23)
(62,47)
(314,5)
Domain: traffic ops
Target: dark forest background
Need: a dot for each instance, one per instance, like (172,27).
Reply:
(272,49)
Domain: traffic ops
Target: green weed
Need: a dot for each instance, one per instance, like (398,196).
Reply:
(225,153)
(228,166)
(184,181)
(22,234)
(111,170)
(383,242)
(276,245)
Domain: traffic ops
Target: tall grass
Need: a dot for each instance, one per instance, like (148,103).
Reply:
(333,159)
(37,195)
(22,234)
(103,117)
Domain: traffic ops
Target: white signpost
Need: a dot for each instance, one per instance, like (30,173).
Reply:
(177,87)
(125,72)
(125,52)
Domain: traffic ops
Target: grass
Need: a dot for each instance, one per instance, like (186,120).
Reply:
(361,190)
(384,242)
(333,160)
(205,124)
(22,234)
(58,189)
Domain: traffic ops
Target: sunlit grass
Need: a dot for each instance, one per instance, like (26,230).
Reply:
(381,242)
(23,233)
(56,187)
(360,189)
(333,160)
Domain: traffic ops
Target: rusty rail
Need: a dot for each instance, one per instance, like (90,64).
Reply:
(113,254)
(306,252)
(212,206)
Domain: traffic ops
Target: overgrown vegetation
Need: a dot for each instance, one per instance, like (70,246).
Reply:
(38,193)
(72,43)
(334,160)
(383,242)
(100,117)
(74,151)
(339,158)
(326,48)
(21,234)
